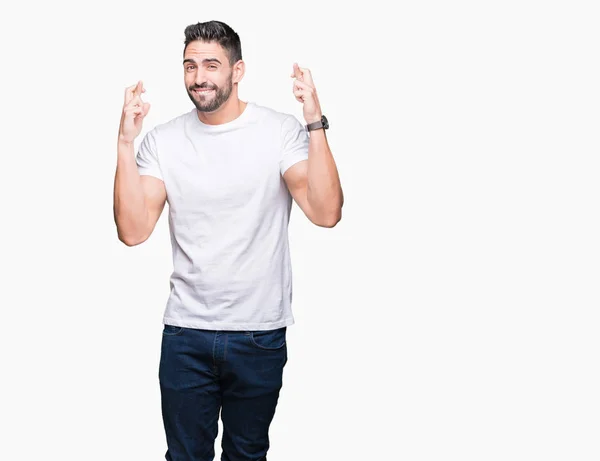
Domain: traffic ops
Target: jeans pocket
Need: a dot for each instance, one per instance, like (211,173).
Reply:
(172,330)
(270,340)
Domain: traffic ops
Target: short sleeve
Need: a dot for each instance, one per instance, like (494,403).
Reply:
(294,143)
(147,156)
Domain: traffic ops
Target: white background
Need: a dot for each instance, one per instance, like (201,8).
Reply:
(453,313)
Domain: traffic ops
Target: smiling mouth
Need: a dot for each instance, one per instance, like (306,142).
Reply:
(203,91)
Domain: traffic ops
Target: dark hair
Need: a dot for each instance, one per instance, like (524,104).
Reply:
(215,31)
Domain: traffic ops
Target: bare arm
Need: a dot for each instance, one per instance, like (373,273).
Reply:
(138,199)
(314,183)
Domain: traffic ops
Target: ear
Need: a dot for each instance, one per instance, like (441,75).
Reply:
(239,69)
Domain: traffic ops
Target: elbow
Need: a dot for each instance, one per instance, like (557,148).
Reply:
(132,240)
(326,214)
(131,243)
(331,220)
(130,232)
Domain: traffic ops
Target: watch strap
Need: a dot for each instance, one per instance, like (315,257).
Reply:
(315,125)
(323,123)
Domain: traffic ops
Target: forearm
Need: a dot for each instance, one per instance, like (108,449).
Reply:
(324,192)
(130,210)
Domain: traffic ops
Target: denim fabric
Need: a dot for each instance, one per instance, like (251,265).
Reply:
(204,373)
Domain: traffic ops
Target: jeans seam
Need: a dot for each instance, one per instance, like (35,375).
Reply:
(267,348)
(174,334)
(214,354)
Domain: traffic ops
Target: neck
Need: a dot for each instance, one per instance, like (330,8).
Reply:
(229,111)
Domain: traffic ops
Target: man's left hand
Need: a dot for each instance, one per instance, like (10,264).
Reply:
(305,92)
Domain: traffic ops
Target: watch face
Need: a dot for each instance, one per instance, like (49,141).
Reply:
(325,122)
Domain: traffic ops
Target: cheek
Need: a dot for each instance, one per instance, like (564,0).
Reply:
(223,79)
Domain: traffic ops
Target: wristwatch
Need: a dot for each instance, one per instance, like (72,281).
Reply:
(323,123)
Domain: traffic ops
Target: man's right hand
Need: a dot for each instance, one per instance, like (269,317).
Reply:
(134,111)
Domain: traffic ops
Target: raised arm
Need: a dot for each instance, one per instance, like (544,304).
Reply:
(138,199)
(315,183)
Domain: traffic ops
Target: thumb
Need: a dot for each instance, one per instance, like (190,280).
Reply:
(146,108)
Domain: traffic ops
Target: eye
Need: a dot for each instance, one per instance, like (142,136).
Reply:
(212,66)
(188,68)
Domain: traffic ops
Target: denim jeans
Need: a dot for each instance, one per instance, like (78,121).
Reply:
(235,373)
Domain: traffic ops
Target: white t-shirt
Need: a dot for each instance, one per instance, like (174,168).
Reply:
(229,209)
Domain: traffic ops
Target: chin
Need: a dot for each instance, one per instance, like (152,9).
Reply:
(207,108)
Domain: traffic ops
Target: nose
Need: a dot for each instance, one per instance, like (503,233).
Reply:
(201,78)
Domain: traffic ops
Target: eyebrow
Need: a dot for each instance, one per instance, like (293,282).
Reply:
(204,61)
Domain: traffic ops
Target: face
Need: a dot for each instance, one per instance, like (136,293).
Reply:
(209,77)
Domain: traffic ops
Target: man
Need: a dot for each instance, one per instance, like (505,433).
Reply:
(230,171)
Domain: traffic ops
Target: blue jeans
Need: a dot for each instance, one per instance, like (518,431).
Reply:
(236,373)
